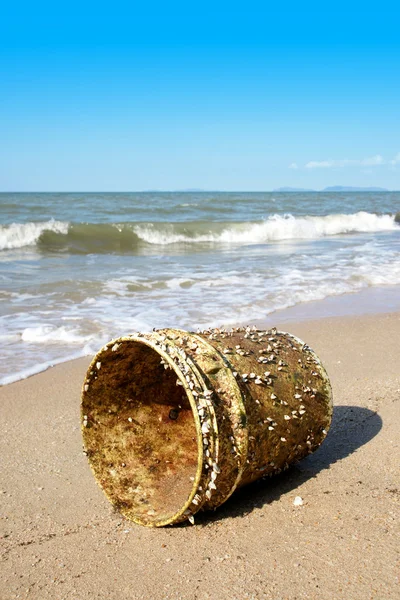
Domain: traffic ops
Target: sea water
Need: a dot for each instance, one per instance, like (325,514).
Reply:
(79,269)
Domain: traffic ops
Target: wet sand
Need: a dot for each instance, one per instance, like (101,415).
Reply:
(61,539)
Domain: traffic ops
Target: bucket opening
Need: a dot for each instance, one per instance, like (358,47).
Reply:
(140,433)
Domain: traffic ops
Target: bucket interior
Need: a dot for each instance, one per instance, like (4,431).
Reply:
(139,432)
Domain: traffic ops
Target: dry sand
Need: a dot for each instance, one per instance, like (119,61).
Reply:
(61,539)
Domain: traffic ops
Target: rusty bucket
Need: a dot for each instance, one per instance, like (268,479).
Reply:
(173,422)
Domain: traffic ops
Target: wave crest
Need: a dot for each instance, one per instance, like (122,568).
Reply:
(19,235)
(91,238)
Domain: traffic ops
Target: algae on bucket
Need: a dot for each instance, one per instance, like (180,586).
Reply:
(173,422)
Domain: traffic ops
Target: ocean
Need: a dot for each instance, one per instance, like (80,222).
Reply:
(78,269)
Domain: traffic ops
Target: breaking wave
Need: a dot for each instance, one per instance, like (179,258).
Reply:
(19,235)
(91,238)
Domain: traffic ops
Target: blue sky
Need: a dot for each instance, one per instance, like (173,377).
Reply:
(119,96)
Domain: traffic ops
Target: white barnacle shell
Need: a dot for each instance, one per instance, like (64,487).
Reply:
(258,381)
(216,468)
(205,428)
(286,417)
(208,494)
(298,396)
(98,365)
(86,387)
(214,475)
(273,396)
(212,486)
(191,519)
(115,347)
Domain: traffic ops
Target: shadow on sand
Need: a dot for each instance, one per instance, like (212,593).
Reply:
(352,427)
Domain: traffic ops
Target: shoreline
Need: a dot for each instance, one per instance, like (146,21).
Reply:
(60,537)
(370,301)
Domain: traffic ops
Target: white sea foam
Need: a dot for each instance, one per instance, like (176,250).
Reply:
(18,235)
(275,228)
(47,334)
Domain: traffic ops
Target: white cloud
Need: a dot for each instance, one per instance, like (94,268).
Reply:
(372,161)
(395,160)
(293,166)
(323,164)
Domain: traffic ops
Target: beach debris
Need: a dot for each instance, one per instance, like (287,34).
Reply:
(195,411)
(298,501)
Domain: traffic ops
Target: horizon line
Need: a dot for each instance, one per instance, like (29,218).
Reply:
(206,191)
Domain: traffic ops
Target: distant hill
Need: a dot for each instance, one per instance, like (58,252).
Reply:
(293,189)
(346,188)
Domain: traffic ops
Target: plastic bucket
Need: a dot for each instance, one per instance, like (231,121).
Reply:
(173,422)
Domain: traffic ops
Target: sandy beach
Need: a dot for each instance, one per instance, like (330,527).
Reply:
(61,539)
